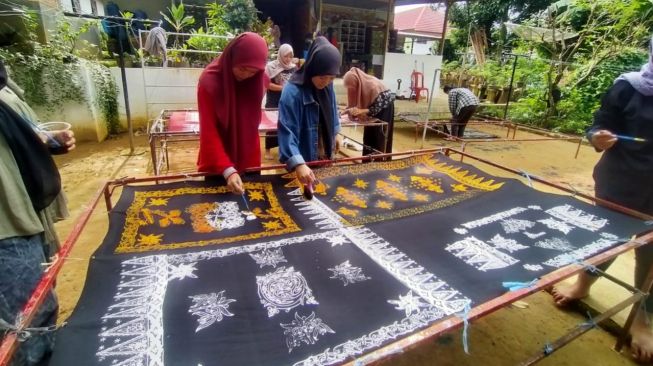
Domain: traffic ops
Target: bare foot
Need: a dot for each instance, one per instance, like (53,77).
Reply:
(641,345)
(564,295)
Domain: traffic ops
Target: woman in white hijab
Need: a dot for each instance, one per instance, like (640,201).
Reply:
(279,72)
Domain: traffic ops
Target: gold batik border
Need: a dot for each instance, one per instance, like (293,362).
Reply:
(132,220)
(412,211)
(459,174)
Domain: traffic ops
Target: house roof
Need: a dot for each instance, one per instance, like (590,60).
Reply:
(422,21)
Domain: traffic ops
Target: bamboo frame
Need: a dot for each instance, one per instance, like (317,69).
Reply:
(10,341)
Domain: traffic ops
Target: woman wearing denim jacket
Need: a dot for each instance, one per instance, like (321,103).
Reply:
(308,114)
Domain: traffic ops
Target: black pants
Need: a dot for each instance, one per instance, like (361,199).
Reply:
(459,121)
(620,188)
(374,139)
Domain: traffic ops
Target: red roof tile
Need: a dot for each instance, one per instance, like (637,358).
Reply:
(423,20)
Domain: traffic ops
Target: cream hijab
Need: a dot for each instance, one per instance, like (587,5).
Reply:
(277,66)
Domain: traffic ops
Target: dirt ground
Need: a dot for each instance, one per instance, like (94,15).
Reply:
(505,337)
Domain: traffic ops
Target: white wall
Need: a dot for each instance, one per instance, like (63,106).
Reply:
(400,66)
(86,118)
(152,89)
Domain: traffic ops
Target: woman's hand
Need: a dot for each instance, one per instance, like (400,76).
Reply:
(235,184)
(305,174)
(357,112)
(338,143)
(603,139)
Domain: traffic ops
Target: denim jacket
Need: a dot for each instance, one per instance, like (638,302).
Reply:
(298,125)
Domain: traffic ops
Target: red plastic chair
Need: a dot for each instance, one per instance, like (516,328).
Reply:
(417,86)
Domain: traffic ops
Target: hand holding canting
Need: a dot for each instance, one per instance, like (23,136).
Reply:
(603,139)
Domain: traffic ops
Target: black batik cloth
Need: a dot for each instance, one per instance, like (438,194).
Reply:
(385,249)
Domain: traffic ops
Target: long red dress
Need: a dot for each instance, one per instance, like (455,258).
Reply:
(230,110)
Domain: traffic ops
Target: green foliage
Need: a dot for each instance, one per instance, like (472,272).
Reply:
(51,74)
(240,15)
(215,20)
(581,101)
(177,17)
(199,41)
(107,96)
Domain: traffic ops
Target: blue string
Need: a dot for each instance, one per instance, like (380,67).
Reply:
(649,223)
(465,317)
(548,349)
(528,176)
(514,286)
(590,321)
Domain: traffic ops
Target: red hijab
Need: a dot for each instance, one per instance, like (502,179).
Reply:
(230,110)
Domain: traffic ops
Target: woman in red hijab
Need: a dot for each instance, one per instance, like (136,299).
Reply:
(229,96)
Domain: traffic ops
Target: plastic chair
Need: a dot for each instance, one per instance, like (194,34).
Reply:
(417,86)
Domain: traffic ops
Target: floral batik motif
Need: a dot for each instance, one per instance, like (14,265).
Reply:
(196,216)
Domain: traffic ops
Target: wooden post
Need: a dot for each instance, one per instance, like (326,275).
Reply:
(391,10)
(444,27)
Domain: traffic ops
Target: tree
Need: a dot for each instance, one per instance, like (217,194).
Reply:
(483,17)
(601,28)
(240,14)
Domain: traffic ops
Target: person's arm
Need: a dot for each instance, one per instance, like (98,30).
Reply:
(606,119)
(212,155)
(289,128)
(275,87)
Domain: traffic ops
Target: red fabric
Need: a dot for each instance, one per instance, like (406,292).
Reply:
(183,122)
(230,110)
(269,120)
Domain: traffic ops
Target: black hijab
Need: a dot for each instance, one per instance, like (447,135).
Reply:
(37,169)
(322,59)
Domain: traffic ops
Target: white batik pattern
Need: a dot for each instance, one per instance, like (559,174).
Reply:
(270,258)
(554,224)
(460,230)
(607,240)
(348,274)
(409,303)
(533,267)
(209,308)
(534,235)
(437,292)
(480,255)
(559,244)
(577,217)
(338,240)
(535,207)
(226,216)
(304,329)
(374,339)
(284,289)
(132,328)
(184,270)
(512,226)
(494,218)
(506,244)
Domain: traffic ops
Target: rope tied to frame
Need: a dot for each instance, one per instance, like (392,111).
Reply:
(464,315)
(548,349)
(526,175)
(514,286)
(590,323)
(573,189)
(26,333)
